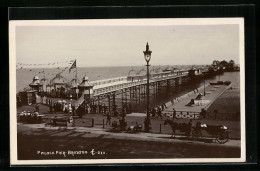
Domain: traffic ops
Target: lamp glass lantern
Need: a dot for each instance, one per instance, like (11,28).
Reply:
(147,57)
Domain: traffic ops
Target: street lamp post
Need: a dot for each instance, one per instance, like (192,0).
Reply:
(147,57)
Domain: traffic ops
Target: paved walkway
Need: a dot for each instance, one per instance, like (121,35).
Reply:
(41,129)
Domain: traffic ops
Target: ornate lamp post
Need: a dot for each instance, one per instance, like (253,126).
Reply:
(147,57)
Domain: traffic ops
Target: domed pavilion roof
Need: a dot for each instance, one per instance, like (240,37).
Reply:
(59,79)
(85,82)
(35,82)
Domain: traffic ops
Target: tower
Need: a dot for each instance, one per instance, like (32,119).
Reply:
(36,85)
(86,88)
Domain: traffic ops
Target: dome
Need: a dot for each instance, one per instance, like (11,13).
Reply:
(35,78)
(85,82)
(35,82)
(58,79)
(85,78)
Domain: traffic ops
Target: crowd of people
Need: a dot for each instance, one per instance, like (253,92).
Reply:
(157,111)
(102,108)
(60,106)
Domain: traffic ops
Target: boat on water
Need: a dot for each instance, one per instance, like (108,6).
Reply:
(220,83)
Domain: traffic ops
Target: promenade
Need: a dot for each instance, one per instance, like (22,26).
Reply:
(139,145)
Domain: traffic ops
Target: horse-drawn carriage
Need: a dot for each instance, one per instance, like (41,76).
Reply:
(219,132)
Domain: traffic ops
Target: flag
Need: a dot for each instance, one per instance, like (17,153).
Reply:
(73,66)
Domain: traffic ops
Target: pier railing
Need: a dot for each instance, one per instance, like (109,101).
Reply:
(116,85)
(227,116)
(183,114)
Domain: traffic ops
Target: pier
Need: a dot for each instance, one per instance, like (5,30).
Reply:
(123,101)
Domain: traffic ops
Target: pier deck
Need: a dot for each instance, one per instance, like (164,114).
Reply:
(212,93)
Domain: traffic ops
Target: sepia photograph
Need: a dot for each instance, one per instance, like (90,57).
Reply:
(127,91)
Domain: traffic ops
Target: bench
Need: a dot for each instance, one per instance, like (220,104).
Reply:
(122,125)
(135,128)
(67,120)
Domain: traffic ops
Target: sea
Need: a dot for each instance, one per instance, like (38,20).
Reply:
(24,77)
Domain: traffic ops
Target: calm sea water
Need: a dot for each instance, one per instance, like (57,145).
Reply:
(24,78)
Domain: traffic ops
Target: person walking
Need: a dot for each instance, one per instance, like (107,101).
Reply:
(108,119)
(37,108)
(70,108)
(73,110)
(174,114)
(159,113)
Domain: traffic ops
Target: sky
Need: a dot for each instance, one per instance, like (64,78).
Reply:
(115,45)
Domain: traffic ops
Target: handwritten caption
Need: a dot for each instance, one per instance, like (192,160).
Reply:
(92,152)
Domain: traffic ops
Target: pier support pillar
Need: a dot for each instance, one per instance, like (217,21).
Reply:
(114,102)
(108,96)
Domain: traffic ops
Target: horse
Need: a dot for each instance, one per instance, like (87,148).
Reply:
(183,127)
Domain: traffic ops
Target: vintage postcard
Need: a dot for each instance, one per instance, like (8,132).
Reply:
(127,91)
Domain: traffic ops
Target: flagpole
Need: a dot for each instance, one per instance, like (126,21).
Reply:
(76,71)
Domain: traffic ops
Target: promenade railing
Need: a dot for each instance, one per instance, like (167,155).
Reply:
(227,116)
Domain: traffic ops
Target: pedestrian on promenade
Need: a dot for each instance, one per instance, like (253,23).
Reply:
(108,119)
(147,123)
(159,112)
(153,111)
(89,109)
(174,114)
(203,113)
(73,110)
(189,128)
(162,107)
(70,108)
(37,108)
(200,102)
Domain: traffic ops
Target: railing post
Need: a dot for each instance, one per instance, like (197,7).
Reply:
(160,128)
(92,122)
